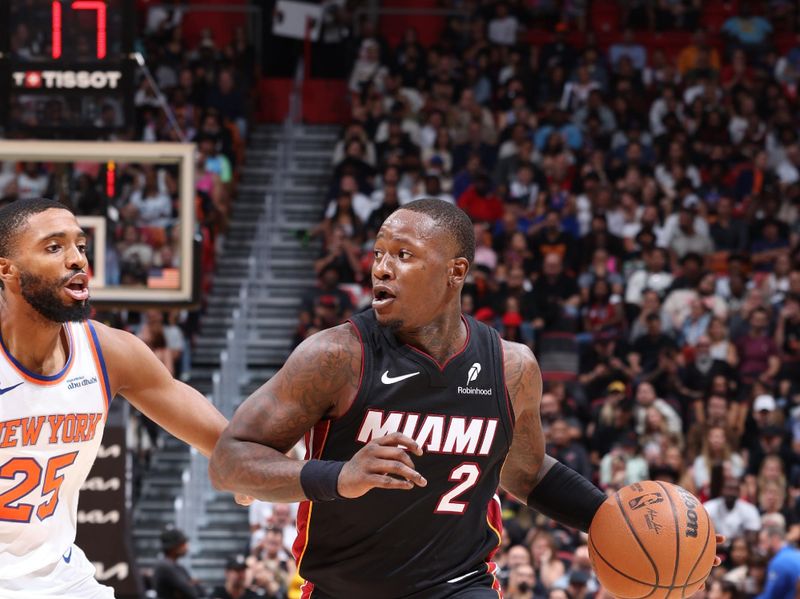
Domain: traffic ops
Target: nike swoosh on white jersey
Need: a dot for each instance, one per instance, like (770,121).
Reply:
(7,389)
(388,380)
(463,577)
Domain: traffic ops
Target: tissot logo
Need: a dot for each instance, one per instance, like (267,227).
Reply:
(67,79)
(32,79)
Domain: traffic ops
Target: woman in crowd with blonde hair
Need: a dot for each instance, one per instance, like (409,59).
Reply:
(716,450)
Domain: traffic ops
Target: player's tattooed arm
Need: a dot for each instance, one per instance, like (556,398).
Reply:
(526,462)
(319,380)
(529,474)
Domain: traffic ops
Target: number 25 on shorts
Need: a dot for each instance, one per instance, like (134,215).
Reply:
(32,477)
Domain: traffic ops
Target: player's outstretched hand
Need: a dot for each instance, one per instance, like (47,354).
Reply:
(382,463)
(244,500)
(720,541)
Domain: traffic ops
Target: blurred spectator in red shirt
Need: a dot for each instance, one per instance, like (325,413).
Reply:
(479,202)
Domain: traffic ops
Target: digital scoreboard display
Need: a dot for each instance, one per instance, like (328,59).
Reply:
(68,30)
(67,66)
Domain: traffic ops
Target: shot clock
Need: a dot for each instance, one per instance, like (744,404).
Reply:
(100,10)
(66,66)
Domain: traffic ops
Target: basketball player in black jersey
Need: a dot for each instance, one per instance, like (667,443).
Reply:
(413,415)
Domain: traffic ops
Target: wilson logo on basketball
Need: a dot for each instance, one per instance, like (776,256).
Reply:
(691,513)
(646,499)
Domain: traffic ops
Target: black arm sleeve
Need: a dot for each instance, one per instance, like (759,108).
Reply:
(567,497)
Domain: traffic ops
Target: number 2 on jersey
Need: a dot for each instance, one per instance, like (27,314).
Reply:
(32,477)
(466,475)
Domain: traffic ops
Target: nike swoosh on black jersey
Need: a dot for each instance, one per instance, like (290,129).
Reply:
(388,380)
(7,389)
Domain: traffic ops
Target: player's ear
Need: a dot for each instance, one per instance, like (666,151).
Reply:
(457,271)
(7,271)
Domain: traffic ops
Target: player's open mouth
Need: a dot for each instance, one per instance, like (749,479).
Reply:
(381,296)
(78,288)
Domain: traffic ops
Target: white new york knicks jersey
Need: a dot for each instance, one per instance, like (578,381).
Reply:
(50,432)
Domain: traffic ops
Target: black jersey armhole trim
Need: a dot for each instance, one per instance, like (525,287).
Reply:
(362,375)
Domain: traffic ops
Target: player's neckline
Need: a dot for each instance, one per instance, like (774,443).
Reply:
(42,379)
(441,366)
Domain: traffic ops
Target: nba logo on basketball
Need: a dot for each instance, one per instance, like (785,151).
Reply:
(646,499)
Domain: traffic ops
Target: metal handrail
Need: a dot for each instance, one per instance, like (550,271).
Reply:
(232,373)
(190,505)
(296,95)
(227,382)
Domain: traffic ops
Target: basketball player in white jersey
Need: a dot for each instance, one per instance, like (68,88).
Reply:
(58,373)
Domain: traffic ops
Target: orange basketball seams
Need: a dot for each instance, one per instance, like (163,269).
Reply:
(652,540)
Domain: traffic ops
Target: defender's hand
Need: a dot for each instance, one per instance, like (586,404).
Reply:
(243,500)
(720,541)
(382,463)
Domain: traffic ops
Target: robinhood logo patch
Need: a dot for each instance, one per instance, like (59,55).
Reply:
(472,376)
(473,373)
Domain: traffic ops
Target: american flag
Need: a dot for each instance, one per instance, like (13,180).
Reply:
(164,278)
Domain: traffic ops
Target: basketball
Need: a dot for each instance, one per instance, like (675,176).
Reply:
(652,539)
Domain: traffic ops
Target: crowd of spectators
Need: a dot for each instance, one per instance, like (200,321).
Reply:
(267,573)
(635,215)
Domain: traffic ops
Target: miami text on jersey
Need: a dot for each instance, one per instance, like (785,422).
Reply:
(434,433)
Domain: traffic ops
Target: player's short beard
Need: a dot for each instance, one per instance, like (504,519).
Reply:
(393,325)
(42,295)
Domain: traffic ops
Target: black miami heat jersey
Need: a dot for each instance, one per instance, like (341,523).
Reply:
(424,542)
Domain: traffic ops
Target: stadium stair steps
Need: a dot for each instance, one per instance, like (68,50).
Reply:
(161,482)
(271,325)
(155,507)
(273,318)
